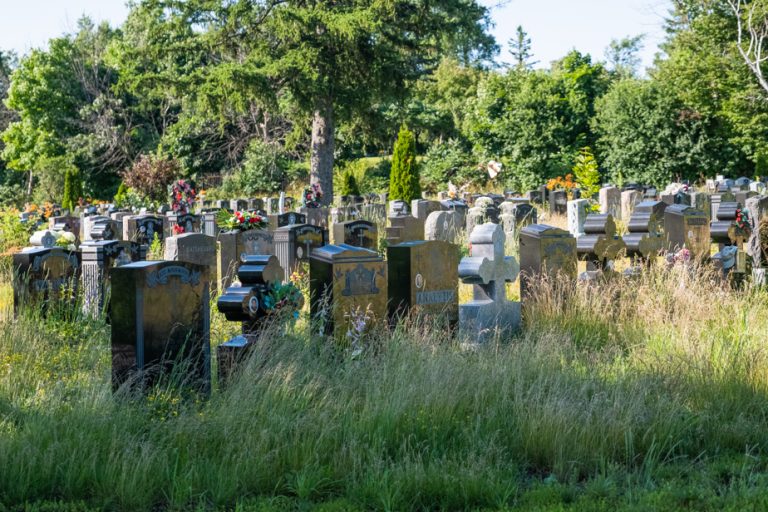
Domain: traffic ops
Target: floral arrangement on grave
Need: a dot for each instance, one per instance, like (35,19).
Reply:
(312,196)
(681,257)
(454,191)
(742,221)
(240,221)
(182,197)
(178,229)
(284,297)
(563,183)
(66,240)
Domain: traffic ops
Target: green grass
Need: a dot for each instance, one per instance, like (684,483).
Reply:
(649,395)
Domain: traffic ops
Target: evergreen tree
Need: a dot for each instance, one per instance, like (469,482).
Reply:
(404,179)
(349,185)
(520,48)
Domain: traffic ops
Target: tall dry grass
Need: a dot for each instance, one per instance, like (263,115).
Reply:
(626,393)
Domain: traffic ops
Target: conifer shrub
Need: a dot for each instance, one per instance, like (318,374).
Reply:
(404,179)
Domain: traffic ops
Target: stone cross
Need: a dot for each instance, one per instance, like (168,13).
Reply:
(488,270)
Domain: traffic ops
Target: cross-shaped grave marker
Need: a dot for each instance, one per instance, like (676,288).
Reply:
(488,270)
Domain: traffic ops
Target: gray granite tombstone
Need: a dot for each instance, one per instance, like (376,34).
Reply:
(488,270)
(98,260)
(687,228)
(545,250)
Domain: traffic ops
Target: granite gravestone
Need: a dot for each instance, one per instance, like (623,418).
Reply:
(702,201)
(578,209)
(142,228)
(42,275)
(187,222)
(237,205)
(294,244)
(423,277)
(545,250)
(442,226)
(404,228)
(629,199)
(316,216)
(600,246)
(558,202)
(98,260)
(757,207)
(194,248)
(610,201)
(160,324)
(342,279)
(421,208)
(687,228)
(286,219)
(246,304)
(488,270)
(359,233)
(235,245)
(646,231)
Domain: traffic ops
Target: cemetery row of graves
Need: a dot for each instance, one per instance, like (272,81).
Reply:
(369,262)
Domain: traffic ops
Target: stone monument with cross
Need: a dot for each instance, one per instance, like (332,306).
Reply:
(488,270)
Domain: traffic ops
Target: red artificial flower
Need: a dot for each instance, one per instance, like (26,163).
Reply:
(178,229)
(253,220)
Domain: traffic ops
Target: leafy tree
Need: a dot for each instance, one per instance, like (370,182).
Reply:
(404,179)
(587,174)
(150,176)
(263,170)
(622,55)
(534,121)
(327,60)
(520,48)
(65,110)
(648,135)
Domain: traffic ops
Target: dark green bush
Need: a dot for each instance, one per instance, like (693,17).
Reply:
(404,178)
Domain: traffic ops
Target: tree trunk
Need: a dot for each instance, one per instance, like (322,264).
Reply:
(323,146)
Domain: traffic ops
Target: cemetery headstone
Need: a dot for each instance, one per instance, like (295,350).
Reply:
(600,246)
(358,233)
(687,228)
(234,246)
(41,275)
(610,201)
(294,244)
(423,277)
(488,270)
(98,260)
(142,228)
(629,199)
(545,250)
(345,280)
(160,324)
(558,202)
(578,209)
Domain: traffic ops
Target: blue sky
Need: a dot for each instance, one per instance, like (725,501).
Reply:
(555,26)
